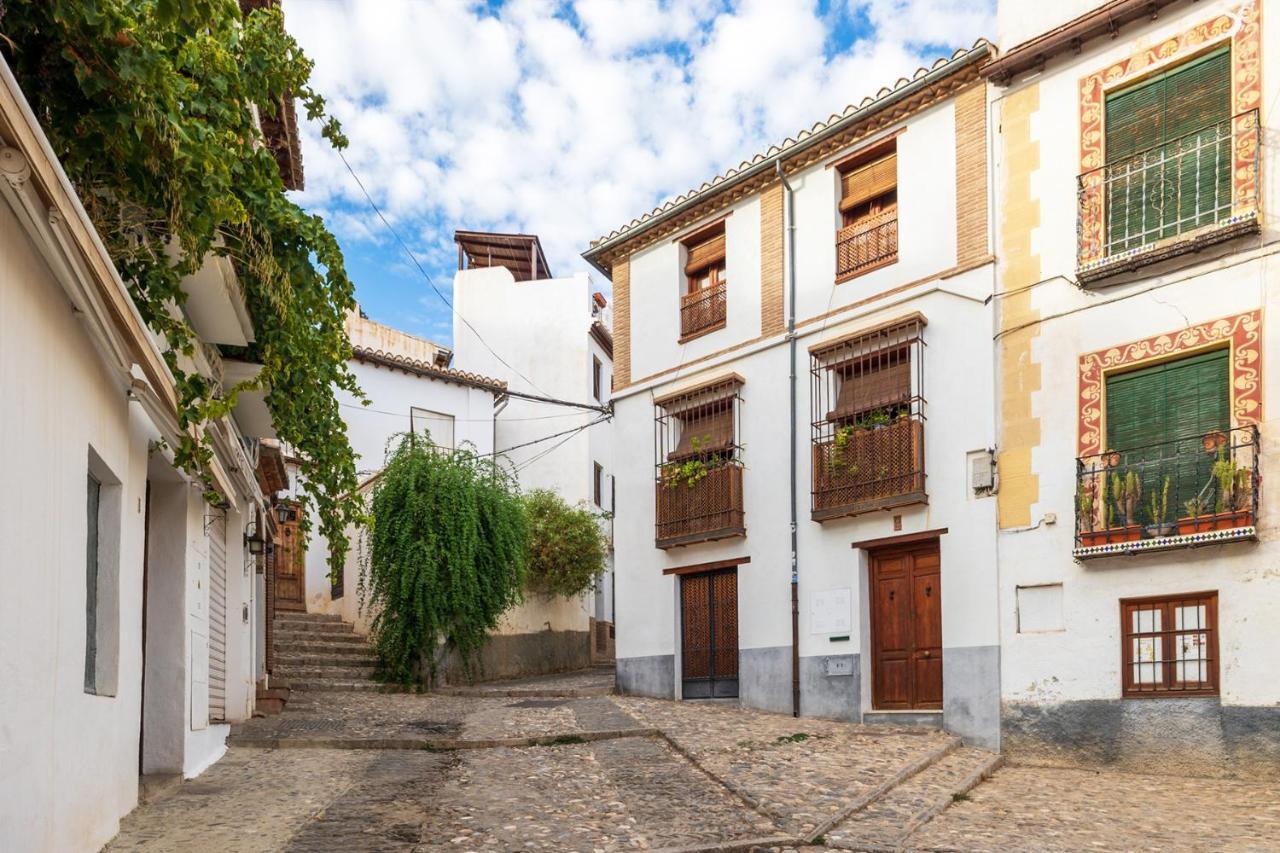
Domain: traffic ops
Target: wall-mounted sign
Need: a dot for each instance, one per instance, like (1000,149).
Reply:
(831,611)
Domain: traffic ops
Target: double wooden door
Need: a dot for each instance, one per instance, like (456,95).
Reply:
(290,564)
(906,628)
(709,634)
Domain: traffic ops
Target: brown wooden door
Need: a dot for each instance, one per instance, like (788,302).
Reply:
(906,629)
(709,632)
(290,566)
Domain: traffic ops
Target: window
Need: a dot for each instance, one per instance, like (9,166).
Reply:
(868,236)
(868,420)
(438,427)
(698,476)
(703,305)
(597,486)
(102,579)
(1168,150)
(595,378)
(1170,645)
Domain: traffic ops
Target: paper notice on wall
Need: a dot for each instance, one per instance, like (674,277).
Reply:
(831,611)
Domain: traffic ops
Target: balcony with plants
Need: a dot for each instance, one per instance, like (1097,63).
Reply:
(698,482)
(1192,491)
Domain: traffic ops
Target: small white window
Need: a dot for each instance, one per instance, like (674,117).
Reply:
(1040,609)
(437,425)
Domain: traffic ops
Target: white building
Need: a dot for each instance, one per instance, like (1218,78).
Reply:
(409,386)
(1135,192)
(128,641)
(888,285)
(552,338)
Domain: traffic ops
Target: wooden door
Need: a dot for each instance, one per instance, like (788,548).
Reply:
(289,564)
(906,628)
(709,631)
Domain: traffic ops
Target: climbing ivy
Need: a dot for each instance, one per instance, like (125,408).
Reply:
(566,546)
(448,544)
(149,104)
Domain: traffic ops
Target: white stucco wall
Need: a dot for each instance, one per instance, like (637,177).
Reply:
(1082,661)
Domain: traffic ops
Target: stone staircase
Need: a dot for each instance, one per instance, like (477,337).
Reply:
(315,651)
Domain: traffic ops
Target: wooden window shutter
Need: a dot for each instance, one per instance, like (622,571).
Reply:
(708,428)
(863,183)
(705,253)
(1169,106)
(1176,400)
(873,382)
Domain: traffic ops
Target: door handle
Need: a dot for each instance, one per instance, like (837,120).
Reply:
(926,653)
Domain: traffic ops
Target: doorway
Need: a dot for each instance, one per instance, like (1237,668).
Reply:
(906,628)
(289,566)
(709,634)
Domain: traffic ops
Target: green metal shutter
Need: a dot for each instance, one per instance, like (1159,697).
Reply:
(1156,417)
(1168,152)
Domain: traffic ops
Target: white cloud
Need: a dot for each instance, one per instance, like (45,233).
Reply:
(570,120)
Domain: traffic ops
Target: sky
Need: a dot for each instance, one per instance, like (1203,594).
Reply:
(569,119)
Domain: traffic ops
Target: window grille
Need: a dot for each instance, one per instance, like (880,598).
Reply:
(1170,645)
(698,464)
(868,413)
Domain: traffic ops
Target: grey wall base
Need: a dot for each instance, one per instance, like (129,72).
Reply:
(834,697)
(520,655)
(764,678)
(654,676)
(971,694)
(1185,737)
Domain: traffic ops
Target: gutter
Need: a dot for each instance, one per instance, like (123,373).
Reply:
(790,285)
(975,54)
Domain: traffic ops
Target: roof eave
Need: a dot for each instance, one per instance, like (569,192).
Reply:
(975,54)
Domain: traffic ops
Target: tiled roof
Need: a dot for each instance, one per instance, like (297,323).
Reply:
(851,113)
(422,368)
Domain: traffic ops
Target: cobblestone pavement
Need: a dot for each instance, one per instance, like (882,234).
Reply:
(438,772)
(1052,809)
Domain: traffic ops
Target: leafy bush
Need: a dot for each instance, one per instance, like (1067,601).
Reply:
(566,546)
(449,541)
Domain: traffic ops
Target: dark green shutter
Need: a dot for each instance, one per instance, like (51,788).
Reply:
(1168,152)
(1156,417)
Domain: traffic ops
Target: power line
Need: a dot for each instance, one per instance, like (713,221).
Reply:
(463,420)
(426,274)
(551,449)
(576,429)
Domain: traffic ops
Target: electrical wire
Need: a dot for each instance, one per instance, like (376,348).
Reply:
(427,275)
(463,420)
(548,451)
(577,429)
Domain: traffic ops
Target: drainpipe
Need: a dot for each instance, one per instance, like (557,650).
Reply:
(790,285)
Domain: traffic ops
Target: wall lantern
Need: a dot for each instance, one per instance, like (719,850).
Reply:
(253,537)
(283,512)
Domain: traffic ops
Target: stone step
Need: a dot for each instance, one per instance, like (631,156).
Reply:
(295,674)
(342,685)
(302,634)
(299,616)
(336,645)
(325,626)
(886,822)
(353,657)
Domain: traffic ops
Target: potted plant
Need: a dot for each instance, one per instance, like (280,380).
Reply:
(1235,493)
(690,471)
(1198,518)
(1085,518)
(1126,492)
(1159,506)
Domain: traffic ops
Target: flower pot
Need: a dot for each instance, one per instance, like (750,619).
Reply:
(1217,521)
(1111,536)
(1164,528)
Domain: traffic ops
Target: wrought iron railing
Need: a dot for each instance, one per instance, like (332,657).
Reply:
(867,244)
(1180,492)
(1200,179)
(702,309)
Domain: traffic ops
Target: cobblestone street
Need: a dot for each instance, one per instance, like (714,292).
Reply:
(557,764)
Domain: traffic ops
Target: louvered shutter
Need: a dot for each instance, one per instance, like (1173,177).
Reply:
(1156,417)
(705,253)
(869,181)
(705,430)
(1167,171)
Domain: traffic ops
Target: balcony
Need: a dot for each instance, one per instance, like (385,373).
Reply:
(699,501)
(1193,491)
(1182,196)
(868,466)
(867,244)
(702,311)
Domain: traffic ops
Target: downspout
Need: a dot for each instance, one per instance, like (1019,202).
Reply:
(790,285)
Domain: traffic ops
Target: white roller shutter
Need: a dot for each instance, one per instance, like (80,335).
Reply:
(218,619)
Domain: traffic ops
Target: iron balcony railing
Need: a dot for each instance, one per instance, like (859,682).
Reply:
(1197,180)
(702,309)
(866,245)
(1188,491)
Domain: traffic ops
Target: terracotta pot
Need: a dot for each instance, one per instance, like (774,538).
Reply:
(1217,521)
(1130,533)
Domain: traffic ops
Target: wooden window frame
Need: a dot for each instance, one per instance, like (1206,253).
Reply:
(596,368)
(715,293)
(1168,686)
(881,210)
(597,485)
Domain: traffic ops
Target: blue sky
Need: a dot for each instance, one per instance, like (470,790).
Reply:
(568,119)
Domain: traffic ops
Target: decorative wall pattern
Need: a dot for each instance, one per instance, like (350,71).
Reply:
(1243,331)
(1242,25)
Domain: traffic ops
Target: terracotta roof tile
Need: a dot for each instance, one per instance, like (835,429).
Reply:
(422,368)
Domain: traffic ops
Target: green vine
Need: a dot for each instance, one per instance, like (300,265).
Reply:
(149,104)
(692,470)
(448,546)
(566,545)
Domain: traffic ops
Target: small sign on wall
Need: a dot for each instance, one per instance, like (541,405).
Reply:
(831,611)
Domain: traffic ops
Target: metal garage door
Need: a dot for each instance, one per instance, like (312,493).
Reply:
(218,619)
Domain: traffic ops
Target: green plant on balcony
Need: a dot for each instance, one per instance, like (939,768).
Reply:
(1084,506)
(1126,491)
(689,472)
(1159,508)
(866,422)
(1234,486)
